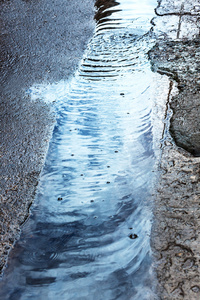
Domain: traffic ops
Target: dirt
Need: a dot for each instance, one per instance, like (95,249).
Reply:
(41,42)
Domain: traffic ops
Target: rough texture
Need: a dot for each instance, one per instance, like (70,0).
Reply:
(40,42)
(176,229)
(175,234)
(181,61)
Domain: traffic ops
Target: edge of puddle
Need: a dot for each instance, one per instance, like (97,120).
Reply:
(37,48)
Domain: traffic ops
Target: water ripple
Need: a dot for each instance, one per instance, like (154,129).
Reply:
(88,237)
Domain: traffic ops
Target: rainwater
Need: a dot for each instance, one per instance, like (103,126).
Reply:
(88,236)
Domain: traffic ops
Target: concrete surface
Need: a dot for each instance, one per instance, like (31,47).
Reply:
(176,228)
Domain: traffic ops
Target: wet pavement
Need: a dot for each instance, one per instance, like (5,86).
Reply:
(89,232)
(40,42)
(92,218)
(175,234)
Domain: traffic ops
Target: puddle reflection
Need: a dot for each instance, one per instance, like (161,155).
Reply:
(88,236)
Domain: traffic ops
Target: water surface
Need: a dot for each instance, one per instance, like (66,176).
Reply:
(88,236)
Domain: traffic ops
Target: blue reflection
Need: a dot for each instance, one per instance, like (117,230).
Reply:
(88,236)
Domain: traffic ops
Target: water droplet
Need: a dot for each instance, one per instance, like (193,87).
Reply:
(133,236)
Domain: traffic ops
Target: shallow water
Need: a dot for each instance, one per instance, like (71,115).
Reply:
(88,236)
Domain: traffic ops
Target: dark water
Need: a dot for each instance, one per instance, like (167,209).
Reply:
(89,233)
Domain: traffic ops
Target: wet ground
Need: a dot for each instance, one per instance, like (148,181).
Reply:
(108,225)
(175,234)
(40,42)
(91,221)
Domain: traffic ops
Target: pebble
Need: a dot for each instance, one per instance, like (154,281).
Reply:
(188,264)
(195,289)
(193,178)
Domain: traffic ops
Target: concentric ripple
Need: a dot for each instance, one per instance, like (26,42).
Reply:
(89,233)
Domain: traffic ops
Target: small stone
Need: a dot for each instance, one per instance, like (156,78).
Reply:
(195,288)
(188,264)
(193,178)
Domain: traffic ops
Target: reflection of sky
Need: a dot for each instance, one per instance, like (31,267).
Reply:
(130,14)
(95,187)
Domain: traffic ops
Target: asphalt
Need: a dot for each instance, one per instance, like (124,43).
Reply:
(40,42)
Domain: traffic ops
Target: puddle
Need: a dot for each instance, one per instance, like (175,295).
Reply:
(88,236)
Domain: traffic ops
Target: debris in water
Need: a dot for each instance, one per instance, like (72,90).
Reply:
(133,236)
